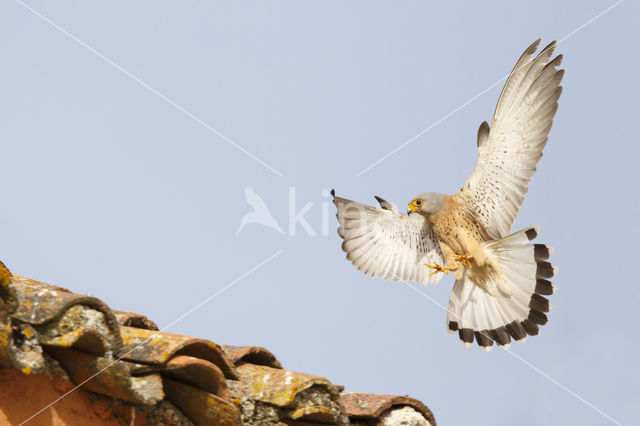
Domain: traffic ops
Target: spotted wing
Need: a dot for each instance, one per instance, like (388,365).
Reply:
(510,149)
(385,243)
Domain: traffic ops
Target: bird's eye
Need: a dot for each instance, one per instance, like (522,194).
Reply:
(418,202)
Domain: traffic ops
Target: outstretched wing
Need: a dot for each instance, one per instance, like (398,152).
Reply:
(382,242)
(510,149)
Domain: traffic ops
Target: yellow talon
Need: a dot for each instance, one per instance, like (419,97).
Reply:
(438,268)
(464,258)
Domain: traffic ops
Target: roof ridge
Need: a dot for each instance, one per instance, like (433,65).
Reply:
(161,375)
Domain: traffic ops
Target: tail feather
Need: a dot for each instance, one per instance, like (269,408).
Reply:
(482,332)
(479,313)
(454,311)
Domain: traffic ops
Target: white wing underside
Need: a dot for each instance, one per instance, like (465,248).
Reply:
(385,243)
(510,149)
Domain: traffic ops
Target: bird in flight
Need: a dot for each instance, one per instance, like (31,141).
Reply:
(501,277)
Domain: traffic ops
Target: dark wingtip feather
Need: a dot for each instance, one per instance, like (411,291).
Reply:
(555,62)
(549,47)
(531,233)
(483,133)
(533,47)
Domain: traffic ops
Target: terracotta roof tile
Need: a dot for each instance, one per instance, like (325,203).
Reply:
(23,351)
(6,337)
(198,373)
(282,394)
(251,355)
(5,275)
(29,393)
(39,305)
(371,407)
(157,347)
(131,319)
(36,314)
(6,332)
(115,379)
(166,378)
(202,407)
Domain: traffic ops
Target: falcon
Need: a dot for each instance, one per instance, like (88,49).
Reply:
(501,278)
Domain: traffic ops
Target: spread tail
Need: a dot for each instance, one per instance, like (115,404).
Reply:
(510,303)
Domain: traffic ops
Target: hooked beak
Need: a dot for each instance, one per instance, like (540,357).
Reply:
(411,209)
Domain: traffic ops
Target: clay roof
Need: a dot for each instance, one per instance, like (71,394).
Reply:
(138,374)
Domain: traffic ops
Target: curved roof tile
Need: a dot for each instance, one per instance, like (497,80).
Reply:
(157,347)
(108,377)
(373,406)
(202,407)
(39,303)
(251,355)
(131,319)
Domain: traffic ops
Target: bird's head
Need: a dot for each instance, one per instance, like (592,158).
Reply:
(426,203)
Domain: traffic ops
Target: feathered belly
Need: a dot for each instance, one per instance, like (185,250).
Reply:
(464,236)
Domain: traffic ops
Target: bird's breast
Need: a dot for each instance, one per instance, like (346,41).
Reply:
(453,226)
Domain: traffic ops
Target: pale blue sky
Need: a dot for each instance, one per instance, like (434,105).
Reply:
(111,190)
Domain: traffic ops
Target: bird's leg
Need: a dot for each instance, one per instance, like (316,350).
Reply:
(464,259)
(438,268)
(473,251)
(452,266)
